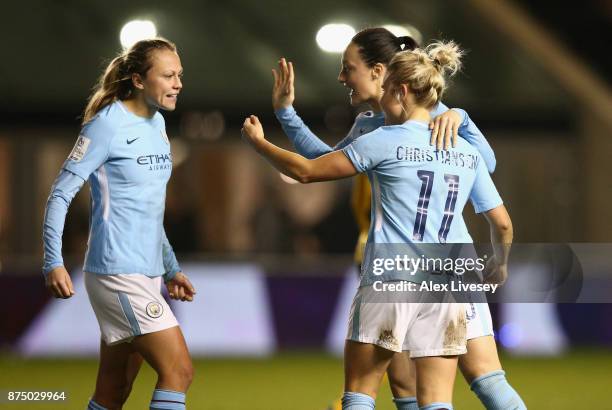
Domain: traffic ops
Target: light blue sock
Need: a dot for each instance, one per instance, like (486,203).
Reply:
(406,403)
(167,400)
(95,406)
(357,401)
(495,392)
(437,406)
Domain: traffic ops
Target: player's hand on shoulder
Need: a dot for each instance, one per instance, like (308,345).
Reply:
(180,288)
(495,272)
(283,91)
(59,283)
(444,128)
(252,131)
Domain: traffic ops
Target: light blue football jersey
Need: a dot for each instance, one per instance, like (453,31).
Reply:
(418,193)
(127,161)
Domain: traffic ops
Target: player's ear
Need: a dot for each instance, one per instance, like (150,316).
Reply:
(403,90)
(137,81)
(378,71)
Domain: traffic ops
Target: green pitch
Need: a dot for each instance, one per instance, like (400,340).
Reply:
(308,381)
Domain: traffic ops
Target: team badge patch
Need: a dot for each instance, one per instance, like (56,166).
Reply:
(79,149)
(154,309)
(165,136)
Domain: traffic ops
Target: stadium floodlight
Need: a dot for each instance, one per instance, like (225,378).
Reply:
(135,31)
(333,38)
(405,30)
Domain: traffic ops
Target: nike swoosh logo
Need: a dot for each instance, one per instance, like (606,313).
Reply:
(130,141)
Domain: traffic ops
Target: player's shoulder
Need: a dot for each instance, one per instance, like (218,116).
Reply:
(106,121)
(439,108)
(411,131)
(159,119)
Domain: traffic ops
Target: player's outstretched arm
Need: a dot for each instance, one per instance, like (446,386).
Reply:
(501,238)
(331,166)
(283,96)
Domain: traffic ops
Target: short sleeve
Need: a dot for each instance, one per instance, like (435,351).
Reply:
(92,147)
(484,195)
(367,151)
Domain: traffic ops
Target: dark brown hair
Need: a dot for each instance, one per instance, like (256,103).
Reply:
(379,45)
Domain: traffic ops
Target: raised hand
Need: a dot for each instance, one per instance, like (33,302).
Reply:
(283,91)
(252,131)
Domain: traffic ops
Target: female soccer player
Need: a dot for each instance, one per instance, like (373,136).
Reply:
(364,63)
(413,85)
(124,153)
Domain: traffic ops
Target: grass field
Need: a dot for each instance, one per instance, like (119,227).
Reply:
(309,381)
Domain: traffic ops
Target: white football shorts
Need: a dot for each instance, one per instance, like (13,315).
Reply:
(426,329)
(128,305)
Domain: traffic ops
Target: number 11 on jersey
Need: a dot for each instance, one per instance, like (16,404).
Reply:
(427,179)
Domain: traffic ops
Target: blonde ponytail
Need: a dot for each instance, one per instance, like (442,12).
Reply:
(446,57)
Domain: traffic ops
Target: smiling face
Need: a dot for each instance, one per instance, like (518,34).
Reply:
(363,81)
(163,81)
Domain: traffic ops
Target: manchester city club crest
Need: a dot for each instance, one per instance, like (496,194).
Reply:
(165,136)
(155,309)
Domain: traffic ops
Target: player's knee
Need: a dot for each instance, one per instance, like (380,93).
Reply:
(180,375)
(187,373)
(473,370)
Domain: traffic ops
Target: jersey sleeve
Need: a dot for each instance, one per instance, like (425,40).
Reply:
(302,138)
(484,195)
(63,191)
(470,132)
(92,147)
(171,265)
(367,151)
